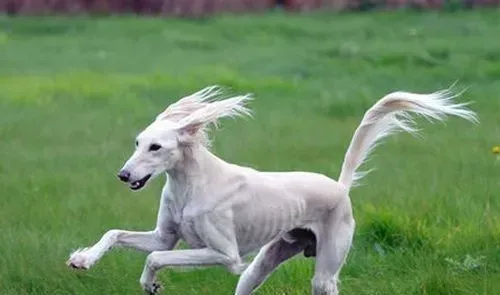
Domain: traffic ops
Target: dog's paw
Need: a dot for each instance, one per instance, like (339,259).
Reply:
(152,288)
(81,259)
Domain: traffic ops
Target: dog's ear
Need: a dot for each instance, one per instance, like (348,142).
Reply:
(189,133)
(190,104)
(192,127)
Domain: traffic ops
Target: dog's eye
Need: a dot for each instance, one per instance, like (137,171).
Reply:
(154,147)
(136,143)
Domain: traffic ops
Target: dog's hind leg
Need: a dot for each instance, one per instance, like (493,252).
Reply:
(334,240)
(143,241)
(268,259)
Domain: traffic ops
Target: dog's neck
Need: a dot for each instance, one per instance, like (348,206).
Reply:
(198,164)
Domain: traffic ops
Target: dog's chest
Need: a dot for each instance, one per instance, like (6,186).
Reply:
(191,229)
(205,228)
(189,232)
(187,228)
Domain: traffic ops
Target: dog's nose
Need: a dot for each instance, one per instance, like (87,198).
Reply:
(124,175)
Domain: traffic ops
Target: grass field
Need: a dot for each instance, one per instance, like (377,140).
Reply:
(74,93)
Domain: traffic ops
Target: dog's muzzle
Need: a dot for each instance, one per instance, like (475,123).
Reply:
(124,176)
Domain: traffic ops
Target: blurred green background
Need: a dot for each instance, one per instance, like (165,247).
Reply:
(75,91)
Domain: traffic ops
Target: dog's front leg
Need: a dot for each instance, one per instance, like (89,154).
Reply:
(143,241)
(185,258)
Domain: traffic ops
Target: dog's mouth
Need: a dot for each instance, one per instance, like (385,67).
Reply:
(138,184)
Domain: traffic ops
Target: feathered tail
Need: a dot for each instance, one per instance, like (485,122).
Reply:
(393,113)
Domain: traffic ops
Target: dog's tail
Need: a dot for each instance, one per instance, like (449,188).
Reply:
(391,114)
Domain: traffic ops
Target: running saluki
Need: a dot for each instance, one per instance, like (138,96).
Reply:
(225,212)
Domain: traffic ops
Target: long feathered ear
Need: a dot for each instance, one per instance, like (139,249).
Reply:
(189,104)
(192,127)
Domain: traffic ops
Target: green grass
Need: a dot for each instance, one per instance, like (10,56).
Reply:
(74,92)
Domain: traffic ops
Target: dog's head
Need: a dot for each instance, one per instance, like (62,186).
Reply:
(161,146)
(157,149)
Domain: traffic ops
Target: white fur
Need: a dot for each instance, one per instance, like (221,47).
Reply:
(225,211)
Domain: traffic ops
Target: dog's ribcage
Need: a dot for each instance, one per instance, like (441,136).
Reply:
(246,217)
(260,222)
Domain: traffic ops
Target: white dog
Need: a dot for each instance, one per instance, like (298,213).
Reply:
(225,211)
